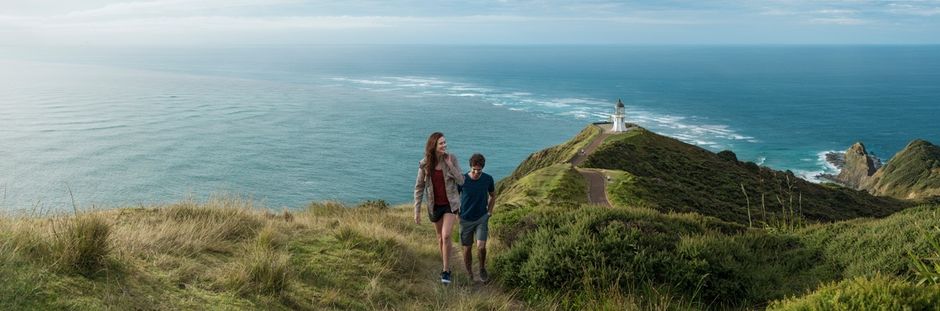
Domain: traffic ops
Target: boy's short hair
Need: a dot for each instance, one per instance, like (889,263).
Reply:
(477,159)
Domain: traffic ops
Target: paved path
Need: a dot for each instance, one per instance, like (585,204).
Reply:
(597,181)
(578,159)
(597,186)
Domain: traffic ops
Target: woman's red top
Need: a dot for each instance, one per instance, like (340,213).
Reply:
(440,194)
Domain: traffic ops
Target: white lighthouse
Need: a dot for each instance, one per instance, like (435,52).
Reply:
(617,118)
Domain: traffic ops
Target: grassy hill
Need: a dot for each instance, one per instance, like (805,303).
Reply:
(555,184)
(227,255)
(913,173)
(558,154)
(677,237)
(670,242)
(668,175)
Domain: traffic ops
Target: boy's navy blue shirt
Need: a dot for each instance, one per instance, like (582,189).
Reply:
(474,196)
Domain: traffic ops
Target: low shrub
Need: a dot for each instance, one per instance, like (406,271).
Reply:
(374,204)
(701,257)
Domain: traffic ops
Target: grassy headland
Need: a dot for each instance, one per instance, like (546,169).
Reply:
(687,230)
(668,175)
(679,235)
(913,173)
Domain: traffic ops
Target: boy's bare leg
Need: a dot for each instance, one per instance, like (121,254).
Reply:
(468,260)
(481,247)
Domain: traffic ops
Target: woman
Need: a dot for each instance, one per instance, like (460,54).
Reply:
(438,176)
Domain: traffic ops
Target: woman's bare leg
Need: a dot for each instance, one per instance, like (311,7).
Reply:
(438,227)
(447,226)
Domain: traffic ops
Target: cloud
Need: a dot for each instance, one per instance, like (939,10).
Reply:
(74,23)
(431,20)
(164,7)
(911,9)
(838,21)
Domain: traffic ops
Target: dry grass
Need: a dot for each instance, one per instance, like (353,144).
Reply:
(228,253)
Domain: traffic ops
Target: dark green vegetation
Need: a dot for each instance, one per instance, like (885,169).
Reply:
(668,175)
(679,235)
(718,264)
(913,173)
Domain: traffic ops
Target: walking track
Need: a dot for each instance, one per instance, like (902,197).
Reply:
(597,182)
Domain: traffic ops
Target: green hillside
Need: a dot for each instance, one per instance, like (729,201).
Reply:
(913,173)
(558,154)
(555,184)
(668,175)
(677,237)
(866,246)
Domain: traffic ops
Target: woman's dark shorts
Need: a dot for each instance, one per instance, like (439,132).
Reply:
(438,211)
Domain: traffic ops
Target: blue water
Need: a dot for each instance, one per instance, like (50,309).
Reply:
(286,125)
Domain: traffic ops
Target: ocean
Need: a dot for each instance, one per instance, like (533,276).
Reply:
(288,125)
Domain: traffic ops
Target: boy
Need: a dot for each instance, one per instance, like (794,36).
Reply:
(477,197)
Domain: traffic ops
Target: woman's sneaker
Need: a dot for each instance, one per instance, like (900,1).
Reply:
(445,277)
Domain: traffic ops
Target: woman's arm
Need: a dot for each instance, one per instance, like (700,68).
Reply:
(454,166)
(419,188)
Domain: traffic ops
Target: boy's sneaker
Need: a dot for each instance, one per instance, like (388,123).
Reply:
(484,277)
(445,277)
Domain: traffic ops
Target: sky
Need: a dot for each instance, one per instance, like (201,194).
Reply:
(215,22)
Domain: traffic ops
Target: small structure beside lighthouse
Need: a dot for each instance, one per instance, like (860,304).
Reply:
(618,119)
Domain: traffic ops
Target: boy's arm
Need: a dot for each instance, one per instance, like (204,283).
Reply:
(491,203)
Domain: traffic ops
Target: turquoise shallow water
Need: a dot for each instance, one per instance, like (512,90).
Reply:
(287,125)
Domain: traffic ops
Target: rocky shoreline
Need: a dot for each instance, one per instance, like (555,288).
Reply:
(837,159)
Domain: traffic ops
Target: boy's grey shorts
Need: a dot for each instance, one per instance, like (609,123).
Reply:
(474,230)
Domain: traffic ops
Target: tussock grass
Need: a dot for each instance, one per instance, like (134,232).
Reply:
(82,244)
(260,270)
(230,254)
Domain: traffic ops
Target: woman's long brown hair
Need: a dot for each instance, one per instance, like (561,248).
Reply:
(430,150)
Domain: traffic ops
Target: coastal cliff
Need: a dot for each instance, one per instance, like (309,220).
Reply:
(858,165)
(913,173)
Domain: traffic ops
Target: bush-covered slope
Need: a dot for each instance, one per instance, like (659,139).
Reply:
(913,173)
(689,259)
(669,175)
